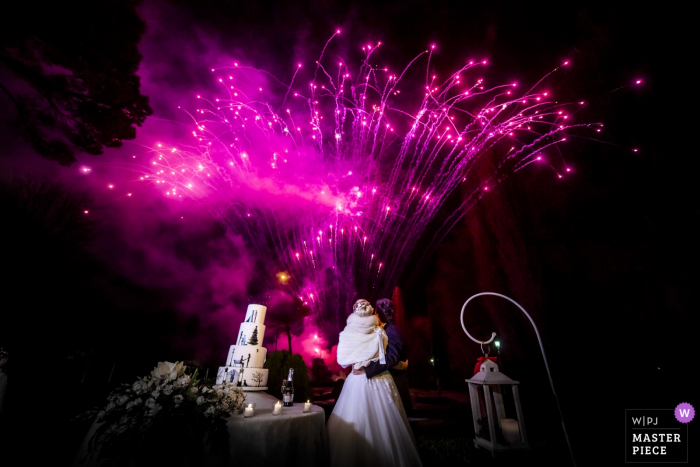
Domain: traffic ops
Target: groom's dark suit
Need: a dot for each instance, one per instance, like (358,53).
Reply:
(395,353)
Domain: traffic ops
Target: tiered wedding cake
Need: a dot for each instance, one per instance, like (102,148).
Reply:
(246,357)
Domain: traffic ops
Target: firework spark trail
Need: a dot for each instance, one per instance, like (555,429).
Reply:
(326,189)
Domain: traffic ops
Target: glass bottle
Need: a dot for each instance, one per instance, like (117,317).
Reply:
(288,391)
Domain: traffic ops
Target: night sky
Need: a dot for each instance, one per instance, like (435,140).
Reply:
(605,259)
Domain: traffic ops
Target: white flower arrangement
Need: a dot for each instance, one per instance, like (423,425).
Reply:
(157,404)
(166,371)
(228,397)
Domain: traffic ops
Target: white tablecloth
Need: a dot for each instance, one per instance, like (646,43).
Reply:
(291,439)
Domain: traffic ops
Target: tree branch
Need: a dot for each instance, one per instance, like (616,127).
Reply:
(20,112)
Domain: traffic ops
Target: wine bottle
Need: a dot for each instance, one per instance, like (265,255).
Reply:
(288,392)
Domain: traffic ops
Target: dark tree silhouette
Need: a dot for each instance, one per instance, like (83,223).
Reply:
(69,68)
(289,313)
(257,378)
(320,371)
(48,235)
(47,212)
(54,283)
(254,338)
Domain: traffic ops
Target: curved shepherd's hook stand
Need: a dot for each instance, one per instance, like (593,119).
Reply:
(539,339)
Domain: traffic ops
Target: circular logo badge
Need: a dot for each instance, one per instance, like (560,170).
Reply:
(684,412)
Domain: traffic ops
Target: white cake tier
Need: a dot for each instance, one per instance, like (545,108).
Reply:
(247,334)
(243,377)
(255,314)
(246,356)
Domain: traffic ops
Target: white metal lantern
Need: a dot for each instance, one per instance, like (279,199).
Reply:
(487,386)
(489,381)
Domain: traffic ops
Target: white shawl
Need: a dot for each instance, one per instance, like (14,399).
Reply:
(362,341)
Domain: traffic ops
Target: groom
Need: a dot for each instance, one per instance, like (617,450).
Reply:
(395,354)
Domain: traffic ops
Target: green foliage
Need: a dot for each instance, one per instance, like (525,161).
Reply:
(302,388)
(70,70)
(319,370)
(279,363)
(275,361)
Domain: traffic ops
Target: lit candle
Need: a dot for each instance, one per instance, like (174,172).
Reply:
(511,432)
(307,406)
(278,409)
(248,412)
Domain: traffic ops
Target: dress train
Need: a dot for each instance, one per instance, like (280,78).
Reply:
(369,427)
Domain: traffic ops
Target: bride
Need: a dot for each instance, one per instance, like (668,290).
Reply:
(368,426)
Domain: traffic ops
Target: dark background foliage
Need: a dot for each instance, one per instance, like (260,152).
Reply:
(70,70)
(604,260)
(279,362)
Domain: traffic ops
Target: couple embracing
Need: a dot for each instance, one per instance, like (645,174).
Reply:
(368,426)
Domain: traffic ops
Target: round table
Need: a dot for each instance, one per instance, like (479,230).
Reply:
(290,439)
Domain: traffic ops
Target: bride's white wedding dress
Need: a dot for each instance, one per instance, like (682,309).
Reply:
(368,426)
